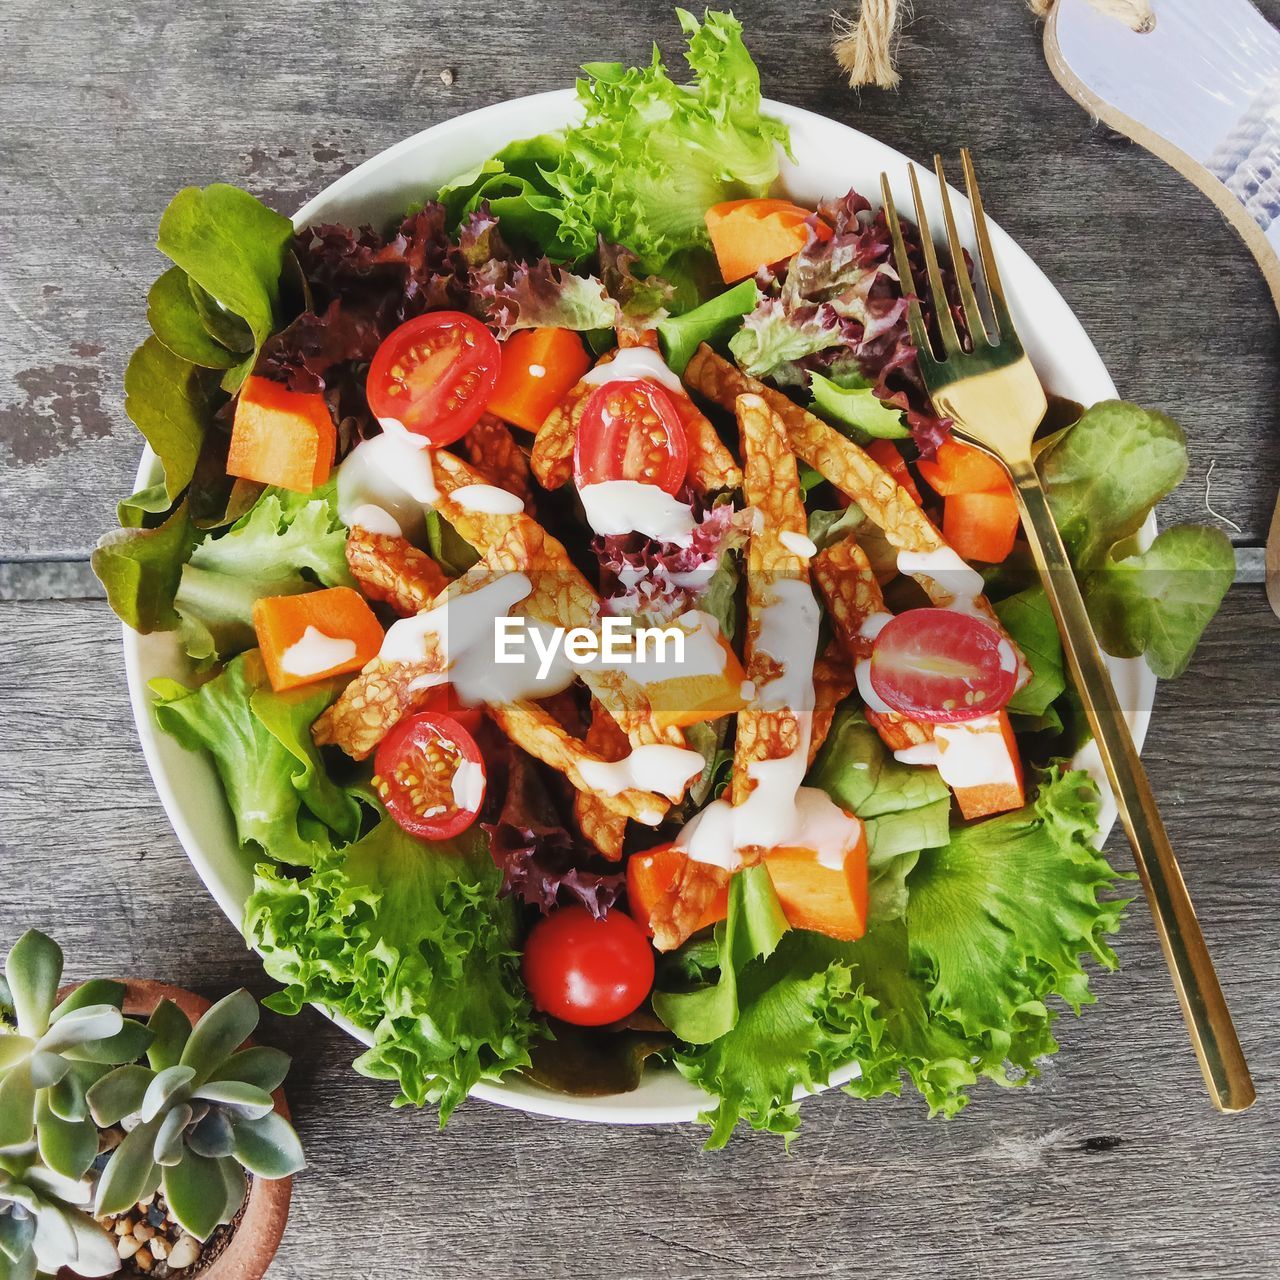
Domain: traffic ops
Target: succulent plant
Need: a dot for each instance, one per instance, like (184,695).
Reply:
(51,1053)
(195,1117)
(43,1225)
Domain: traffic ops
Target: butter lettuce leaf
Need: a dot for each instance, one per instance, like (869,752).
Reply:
(281,798)
(286,544)
(1159,601)
(410,941)
(142,568)
(1028,618)
(752,929)
(714,322)
(905,807)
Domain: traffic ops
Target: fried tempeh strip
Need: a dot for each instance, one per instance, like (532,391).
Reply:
(849,468)
(496,454)
(391,569)
(599,821)
(771,486)
(560,595)
(848,584)
(711,466)
(676,915)
(833,682)
(535,730)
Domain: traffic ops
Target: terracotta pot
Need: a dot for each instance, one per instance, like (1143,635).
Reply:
(256,1238)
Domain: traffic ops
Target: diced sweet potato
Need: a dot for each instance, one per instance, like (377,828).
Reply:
(993,797)
(281,437)
(814,895)
(685,700)
(309,637)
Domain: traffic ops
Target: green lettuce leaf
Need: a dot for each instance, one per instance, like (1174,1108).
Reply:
(905,807)
(169,401)
(179,324)
(1159,602)
(287,543)
(752,929)
(713,323)
(1000,918)
(232,247)
(1028,618)
(1106,473)
(280,796)
(856,407)
(946,992)
(650,156)
(410,941)
(141,570)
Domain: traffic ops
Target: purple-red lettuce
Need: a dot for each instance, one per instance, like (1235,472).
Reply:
(837,308)
(662,580)
(541,860)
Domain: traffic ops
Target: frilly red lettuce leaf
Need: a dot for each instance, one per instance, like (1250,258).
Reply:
(837,308)
(543,863)
(662,580)
(361,284)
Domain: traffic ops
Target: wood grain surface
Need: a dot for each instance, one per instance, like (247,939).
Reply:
(1113,1164)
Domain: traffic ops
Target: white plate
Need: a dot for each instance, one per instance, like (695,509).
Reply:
(831,158)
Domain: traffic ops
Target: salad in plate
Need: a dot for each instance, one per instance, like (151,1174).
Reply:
(610,659)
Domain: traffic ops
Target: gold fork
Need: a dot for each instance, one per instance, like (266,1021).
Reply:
(995,399)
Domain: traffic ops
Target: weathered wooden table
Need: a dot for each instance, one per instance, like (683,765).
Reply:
(1113,1163)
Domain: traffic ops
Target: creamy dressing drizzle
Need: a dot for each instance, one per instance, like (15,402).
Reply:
(630,506)
(465,627)
(316,652)
(969,754)
(799,544)
(779,811)
(656,767)
(487,499)
(390,473)
(468,786)
(635,364)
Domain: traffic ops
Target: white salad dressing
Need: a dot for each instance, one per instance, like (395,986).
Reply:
(390,473)
(316,652)
(969,754)
(465,627)
(635,364)
(778,811)
(468,786)
(799,544)
(487,499)
(703,655)
(866,691)
(630,506)
(656,767)
(948,570)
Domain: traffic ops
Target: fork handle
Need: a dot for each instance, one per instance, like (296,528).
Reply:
(1203,1005)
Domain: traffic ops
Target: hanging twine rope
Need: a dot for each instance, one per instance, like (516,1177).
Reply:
(865,44)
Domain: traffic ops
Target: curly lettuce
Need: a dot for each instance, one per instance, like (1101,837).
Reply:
(409,940)
(648,160)
(967,944)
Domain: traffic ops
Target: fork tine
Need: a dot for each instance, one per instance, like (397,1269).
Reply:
(972,313)
(986,255)
(942,308)
(915,319)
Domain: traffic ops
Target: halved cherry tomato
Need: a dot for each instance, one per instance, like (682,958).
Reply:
(434,375)
(430,775)
(942,667)
(631,431)
(587,971)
